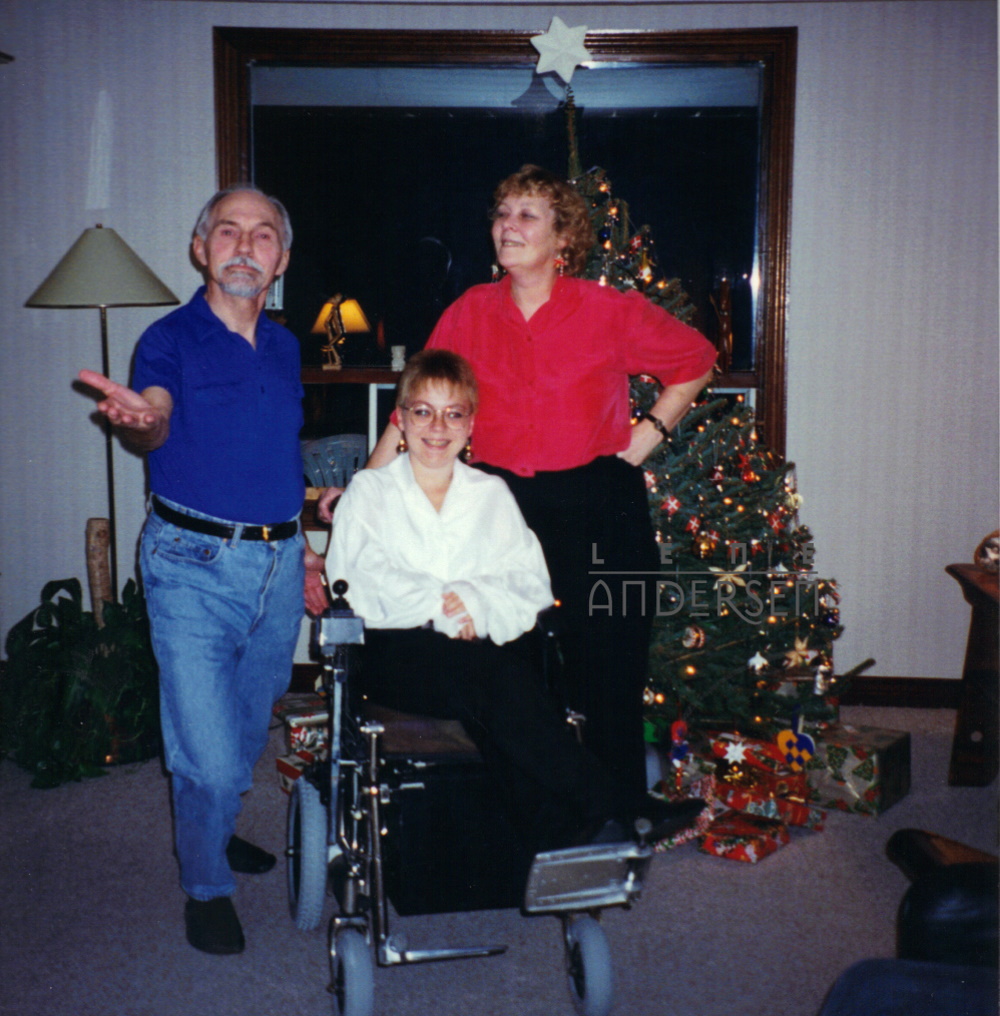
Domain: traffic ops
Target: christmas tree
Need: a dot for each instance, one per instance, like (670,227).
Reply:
(744,628)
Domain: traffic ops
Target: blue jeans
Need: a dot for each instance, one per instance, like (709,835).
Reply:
(225,618)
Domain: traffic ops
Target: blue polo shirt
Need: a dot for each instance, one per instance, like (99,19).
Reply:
(233,449)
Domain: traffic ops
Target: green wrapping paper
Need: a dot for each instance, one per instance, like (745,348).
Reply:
(864,770)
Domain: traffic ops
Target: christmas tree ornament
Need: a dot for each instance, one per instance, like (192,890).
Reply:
(796,748)
(679,750)
(757,663)
(728,580)
(800,654)
(735,752)
(669,599)
(705,546)
(987,555)
(823,679)
(561,49)
(694,637)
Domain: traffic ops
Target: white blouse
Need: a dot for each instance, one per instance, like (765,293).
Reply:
(400,556)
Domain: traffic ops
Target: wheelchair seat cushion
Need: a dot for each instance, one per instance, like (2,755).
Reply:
(410,734)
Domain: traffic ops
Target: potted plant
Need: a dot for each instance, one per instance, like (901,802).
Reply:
(76,695)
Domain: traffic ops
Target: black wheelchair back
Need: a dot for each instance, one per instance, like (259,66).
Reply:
(359,825)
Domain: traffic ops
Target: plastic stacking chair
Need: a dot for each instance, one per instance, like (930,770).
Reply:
(332,461)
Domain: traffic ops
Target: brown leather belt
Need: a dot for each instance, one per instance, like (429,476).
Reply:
(280,531)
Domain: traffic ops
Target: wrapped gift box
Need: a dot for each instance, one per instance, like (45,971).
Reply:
(735,749)
(747,761)
(765,783)
(298,704)
(864,770)
(292,765)
(305,716)
(753,801)
(306,732)
(742,837)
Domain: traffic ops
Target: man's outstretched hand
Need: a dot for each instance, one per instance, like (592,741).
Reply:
(122,406)
(145,418)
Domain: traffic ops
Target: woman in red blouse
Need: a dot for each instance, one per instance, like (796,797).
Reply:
(553,354)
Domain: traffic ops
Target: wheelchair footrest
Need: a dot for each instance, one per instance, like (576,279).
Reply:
(390,957)
(586,878)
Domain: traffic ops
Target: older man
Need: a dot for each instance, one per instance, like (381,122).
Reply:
(216,402)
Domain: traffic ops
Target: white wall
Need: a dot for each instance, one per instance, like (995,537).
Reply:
(892,338)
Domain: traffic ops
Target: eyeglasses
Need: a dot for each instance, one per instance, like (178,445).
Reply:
(421,416)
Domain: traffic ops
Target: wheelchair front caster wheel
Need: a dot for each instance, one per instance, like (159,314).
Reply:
(352,974)
(588,966)
(307,855)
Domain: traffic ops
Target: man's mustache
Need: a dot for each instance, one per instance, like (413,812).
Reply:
(243,261)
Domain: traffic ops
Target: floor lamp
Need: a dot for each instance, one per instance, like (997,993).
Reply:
(101,270)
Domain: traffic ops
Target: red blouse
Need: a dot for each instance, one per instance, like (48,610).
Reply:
(553,391)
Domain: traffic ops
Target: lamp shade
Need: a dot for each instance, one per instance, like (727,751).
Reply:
(101,270)
(352,317)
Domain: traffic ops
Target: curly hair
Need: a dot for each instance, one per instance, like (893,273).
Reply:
(572,217)
(430,365)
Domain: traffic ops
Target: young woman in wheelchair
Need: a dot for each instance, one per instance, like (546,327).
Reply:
(449,579)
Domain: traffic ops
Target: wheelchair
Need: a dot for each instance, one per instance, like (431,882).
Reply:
(340,844)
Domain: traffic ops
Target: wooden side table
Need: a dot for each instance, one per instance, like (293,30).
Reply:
(974,752)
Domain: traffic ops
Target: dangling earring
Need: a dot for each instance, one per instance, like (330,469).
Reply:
(402,446)
(561,263)
(466,452)
(497,274)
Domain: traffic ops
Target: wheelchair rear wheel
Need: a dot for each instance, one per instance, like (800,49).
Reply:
(352,974)
(588,966)
(307,855)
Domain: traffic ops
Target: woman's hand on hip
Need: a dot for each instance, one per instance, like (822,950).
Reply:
(643,439)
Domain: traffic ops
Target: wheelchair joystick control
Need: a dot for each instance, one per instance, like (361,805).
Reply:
(338,625)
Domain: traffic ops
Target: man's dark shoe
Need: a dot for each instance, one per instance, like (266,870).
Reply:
(213,927)
(246,858)
(670,817)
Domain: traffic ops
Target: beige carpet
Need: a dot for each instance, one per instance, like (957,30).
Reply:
(91,915)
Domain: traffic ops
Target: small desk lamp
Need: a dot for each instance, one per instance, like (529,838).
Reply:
(338,318)
(101,270)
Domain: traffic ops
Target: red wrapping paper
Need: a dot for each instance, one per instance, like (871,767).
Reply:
(741,837)
(291,767)
(752,801)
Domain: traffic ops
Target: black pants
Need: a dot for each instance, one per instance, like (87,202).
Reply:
(593,524)
(552,785)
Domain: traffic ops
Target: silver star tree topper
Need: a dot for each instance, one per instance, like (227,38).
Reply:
(561,49)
